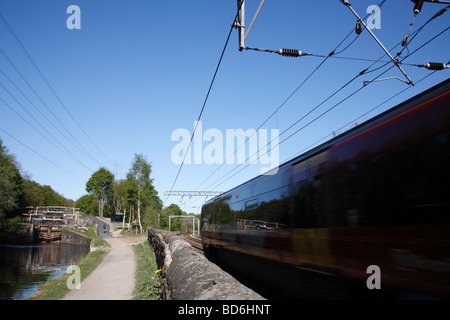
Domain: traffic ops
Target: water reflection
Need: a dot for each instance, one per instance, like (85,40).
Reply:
(24,268)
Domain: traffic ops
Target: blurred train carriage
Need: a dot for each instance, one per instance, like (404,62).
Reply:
(376,195)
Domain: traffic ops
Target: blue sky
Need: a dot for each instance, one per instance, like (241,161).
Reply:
(138,70)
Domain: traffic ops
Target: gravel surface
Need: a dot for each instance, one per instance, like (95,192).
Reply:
(114,278)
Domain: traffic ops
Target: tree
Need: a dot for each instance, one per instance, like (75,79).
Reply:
(120,195)
(88,204)
(172,210)
(35,195)
(140,181)
(120,198)
(101,184)
(32,194)
(11,186)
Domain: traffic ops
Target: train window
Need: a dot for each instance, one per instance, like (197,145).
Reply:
(251,204)
(405,186)
(302,212)
(274,206)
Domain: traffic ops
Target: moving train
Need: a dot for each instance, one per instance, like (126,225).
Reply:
(366,214)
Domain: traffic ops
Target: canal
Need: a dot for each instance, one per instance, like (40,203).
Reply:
(24,267)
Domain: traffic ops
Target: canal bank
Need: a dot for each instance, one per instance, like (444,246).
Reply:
(107,272)
(112,279)
(56,288)
(26,266)
(23,268)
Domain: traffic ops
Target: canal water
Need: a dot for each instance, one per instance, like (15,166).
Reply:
(25,267)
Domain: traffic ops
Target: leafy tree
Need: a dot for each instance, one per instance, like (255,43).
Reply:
(88,204)
(11,187)
(142,185)
(32,195)
(150,217)
(172,210)
(101,184)
(131,195)
(36,195)
(17,191)
(51,198)
(119,198)
(120,202)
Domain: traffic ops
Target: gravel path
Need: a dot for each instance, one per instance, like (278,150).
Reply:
(114,278)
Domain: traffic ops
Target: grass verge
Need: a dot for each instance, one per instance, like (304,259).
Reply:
(148,280)
(90,233)
(57,288)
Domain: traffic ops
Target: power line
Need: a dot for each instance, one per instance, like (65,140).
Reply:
(362,72)
(431,66)
(70,154)
(81,147)
(322,114)
(331,54)
(67,152)
(358,118)
(40,112)
(361,21)
(406,41)
(193,193)
(206,99)
(19,43)
(346,125)
(40,155)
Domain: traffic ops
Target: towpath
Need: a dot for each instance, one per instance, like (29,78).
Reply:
(114,278)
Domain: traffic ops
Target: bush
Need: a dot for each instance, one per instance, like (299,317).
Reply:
(10,225)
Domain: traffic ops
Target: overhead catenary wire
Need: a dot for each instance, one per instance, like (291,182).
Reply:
(298,53)
(40,155)
(206,99)
(59,146)
(358,118)
(38,70)
(39,111)
(406,41)
(366,71)
(331,54)
(431,65)
(319,116)
(217,182)
(75,141)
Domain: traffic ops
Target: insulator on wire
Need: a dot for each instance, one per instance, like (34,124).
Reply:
(290,53)
(405,40)
(417,6)
(358,28)
(434,66)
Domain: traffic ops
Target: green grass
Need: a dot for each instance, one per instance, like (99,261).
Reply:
(57,288)
(148,283)
(96,240)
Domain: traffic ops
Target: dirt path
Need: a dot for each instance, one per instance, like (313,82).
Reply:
(114,278)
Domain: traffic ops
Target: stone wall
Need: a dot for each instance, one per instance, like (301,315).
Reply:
(189,275)
(72,237)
